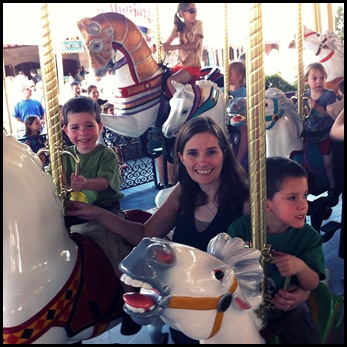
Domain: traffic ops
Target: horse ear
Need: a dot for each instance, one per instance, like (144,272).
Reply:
(177,85)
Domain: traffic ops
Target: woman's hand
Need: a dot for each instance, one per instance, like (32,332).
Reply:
(289,299)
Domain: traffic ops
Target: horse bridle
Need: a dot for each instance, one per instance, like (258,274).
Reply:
(321,45)
(219,303)
(275,117)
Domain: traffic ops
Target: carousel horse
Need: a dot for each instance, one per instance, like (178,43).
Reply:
(204,98)
(111,39)
(283,123)
(210,296)
(58,287)
(329,51)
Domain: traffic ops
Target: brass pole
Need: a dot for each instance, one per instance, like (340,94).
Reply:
(256,132)
(226,58)
(300,47)
(50,91)
(159,48)
(331,23)
(6,99)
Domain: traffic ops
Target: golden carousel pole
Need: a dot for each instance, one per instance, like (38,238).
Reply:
(331,24)
(6,98)
(50,90)
(226,60)
(300,47)
(159,48)
(317,17)
(256,135)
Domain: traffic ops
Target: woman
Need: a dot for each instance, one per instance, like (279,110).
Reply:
(211,192)
(189,32)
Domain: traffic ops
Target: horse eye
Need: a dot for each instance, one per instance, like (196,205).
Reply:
(219,274)
(94,28)
(95,46)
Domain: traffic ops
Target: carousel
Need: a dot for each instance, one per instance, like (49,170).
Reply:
(54,290)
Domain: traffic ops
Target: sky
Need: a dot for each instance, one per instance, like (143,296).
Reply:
(279,20)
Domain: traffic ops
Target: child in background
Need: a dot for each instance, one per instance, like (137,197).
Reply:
(296,249)
(98,178)
(32,130)
(190,34)
(318,124)
(237,89)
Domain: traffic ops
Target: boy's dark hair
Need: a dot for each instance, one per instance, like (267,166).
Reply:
(74,83)
(81,104)
(279,169)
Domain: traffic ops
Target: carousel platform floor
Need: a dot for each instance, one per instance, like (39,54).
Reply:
(142,197)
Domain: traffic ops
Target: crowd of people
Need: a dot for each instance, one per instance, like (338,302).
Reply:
(210,180)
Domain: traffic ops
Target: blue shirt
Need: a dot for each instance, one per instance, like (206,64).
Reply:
(24,108)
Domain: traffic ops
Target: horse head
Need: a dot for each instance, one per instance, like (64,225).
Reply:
(329,50)
(111,39)
(204,98)
(181,104)
(209,295)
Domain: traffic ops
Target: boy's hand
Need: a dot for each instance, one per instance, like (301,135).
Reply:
(78,183)
(287,264)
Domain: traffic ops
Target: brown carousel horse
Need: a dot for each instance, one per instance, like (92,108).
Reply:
(140,99)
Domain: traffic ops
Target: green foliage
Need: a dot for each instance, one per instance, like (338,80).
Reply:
(276,81)
(340,23)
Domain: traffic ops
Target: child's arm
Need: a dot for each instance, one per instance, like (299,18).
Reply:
(79,183)
(289,265)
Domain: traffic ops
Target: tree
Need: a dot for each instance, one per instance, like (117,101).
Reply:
(339,23)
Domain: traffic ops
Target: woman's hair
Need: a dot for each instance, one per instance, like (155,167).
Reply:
(81,104)
(178,23)
(316,67)
(233,190)
(278,169)
(90,87)
(29,121)
(106,106)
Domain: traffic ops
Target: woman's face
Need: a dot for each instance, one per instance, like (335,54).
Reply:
(203,158)
(94,94)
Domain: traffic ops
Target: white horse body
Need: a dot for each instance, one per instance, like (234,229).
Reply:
(190,284)
(283,125)
(43,266)
(329,50)
(31,273)
(205,99)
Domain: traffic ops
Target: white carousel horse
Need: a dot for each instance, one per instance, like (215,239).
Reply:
(204,98)
(113,38)
(210,296)
(330,51)
(57,287)
(283,123)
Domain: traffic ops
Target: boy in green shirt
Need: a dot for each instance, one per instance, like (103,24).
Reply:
(296,249)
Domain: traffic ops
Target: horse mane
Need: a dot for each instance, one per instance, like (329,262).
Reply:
(336,44)
(245,262)
(287,105)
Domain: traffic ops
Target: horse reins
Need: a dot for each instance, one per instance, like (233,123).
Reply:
(219,303)
(275,117)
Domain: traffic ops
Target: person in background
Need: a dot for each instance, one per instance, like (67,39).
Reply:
(108,108)
(93,93)
(34,76)
(189,32)
(296,248)
(318,124)
(75,88)
(237,89)
(32,138)
(27,107)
